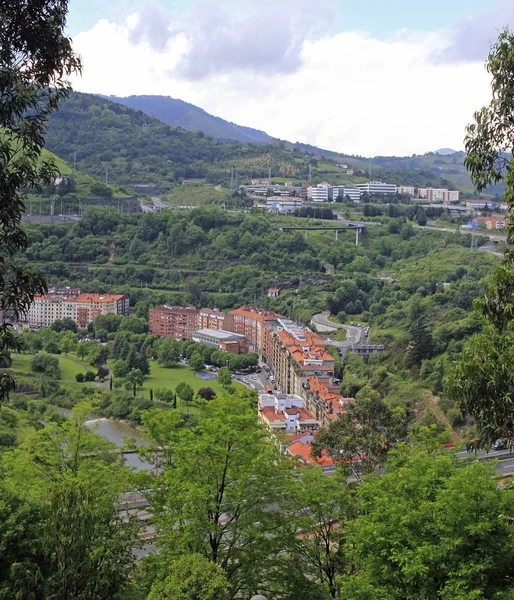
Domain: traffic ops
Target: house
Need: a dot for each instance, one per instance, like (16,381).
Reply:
(273,292)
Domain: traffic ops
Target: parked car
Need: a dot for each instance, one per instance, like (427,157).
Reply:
(499,445)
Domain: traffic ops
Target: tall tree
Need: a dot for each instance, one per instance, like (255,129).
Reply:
(432,527)
(82,545)
(218,498)
(482,382)
(362,436)
(35,59)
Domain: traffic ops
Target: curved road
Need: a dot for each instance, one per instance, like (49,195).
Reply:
(324,325)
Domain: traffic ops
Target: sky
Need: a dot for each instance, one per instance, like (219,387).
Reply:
(366,77)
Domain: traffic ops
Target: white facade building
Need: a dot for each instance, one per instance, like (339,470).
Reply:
(438,195)
(318,193)
(283,205)
(377,188)
(408,190)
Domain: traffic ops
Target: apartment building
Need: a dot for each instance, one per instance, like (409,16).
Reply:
(438,195)
(173,321)
(212,318)
(286,413)
(377,188)
(72,304)
(407,190)
(320,193)
(493,223)
(250,322)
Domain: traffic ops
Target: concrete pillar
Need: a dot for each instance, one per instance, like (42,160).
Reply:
(357,237)
(337,234)
(306,232)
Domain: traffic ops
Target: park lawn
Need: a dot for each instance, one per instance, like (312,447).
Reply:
(169,378)
(69,365)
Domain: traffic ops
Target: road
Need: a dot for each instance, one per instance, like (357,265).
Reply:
(492,236)
(354,333)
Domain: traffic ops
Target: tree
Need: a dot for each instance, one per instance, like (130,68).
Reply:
(196,362)
(84,547)
(225,479)
(224,377)
(120,368)
(65,324)
(185,392)
(481,383)
(318,509)
(206,393)
(192,577)
(68,342)
(168,352)
(89,376)
(363,434)
(431,527)
(35,60)
(135,379)
(47,364)
(165,395)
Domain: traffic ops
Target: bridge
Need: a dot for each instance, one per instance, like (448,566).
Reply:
(337,228)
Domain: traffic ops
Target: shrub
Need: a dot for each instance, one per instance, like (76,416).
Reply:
(79,377)
(89,376)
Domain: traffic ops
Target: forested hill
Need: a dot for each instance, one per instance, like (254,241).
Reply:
(137,148)
(178,113)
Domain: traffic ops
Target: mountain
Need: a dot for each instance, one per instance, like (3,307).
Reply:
(178,113)
(104,137)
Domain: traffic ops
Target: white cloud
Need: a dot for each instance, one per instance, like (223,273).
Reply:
(350,92)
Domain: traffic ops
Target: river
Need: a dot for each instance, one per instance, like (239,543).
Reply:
(115,431)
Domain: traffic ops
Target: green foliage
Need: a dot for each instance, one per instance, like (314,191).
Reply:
(196,362)
(364,432)
(224,377)
(80,377)
(168,352)
(192,577)
(47,364)
(89,376)
(224,466)
(185,392)
(431,527)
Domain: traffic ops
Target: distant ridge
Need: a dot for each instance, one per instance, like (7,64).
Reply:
(445,151)
(178,113)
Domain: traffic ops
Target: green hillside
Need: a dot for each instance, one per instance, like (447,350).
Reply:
(135,148)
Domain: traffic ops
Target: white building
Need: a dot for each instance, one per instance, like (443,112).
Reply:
(438,195)
(408,190)
(283,205)
(285,412)
(318,193)
(377,188)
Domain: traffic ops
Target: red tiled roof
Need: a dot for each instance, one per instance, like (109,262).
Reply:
(304,451)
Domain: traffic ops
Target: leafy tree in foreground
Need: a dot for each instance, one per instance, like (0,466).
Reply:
(433,527)
(192,577)
(35,59)
(225,479)
(319,509)
(82,547)
(482,383)
(363,434)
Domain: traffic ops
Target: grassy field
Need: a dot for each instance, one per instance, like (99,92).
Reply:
(169,378)
(194,195)
(69,365)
